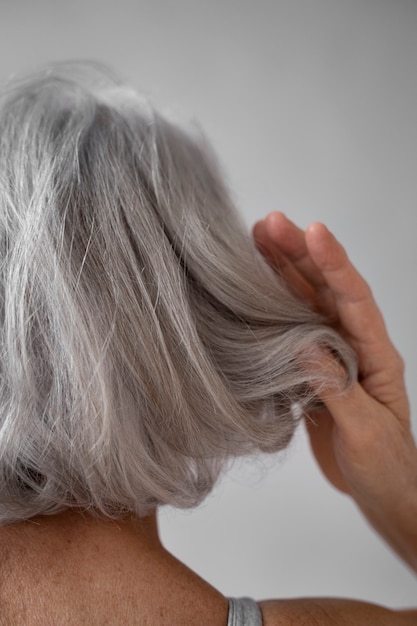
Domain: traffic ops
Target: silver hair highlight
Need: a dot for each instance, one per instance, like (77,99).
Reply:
(144,341)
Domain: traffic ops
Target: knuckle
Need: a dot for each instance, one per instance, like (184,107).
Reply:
(399,363)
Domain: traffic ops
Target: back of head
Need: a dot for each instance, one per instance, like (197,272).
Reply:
(144,341)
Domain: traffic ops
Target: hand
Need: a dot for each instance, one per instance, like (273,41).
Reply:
(362,440)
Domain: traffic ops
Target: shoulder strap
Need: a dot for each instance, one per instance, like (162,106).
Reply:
(244,612)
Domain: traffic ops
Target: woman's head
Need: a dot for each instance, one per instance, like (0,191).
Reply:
(144,341)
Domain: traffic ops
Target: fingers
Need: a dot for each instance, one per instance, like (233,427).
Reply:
(284,245)
(316,260)
(380,366)
(291,241)
(278,232)
(281,263)
(356,308)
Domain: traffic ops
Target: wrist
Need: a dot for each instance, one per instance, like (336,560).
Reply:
(398,526)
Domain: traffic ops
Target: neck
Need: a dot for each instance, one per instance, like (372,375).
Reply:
(74,533)
(93,568)
(72,522)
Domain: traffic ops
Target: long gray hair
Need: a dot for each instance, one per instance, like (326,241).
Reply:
(144,341)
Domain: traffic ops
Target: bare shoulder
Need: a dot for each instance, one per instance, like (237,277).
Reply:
(98,582)
(332,612)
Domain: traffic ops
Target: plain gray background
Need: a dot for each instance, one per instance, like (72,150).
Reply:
(311,106)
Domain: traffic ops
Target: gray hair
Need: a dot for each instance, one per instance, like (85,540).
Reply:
(144,341)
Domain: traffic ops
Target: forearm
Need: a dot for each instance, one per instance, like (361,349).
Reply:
(331,611)
(399,528)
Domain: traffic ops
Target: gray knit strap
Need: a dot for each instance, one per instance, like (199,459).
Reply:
(244,612)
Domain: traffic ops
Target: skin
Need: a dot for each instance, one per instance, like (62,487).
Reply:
(73,569)
(363,440)
(102,572)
